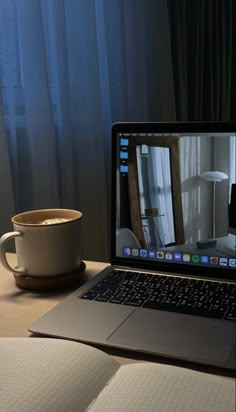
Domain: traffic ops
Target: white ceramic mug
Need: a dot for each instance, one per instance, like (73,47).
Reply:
(47,242)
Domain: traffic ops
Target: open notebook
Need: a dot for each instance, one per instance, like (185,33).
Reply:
(58,375)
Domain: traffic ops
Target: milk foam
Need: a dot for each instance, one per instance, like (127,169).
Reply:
(54,220)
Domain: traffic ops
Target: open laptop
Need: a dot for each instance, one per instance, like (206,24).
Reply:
(171,286)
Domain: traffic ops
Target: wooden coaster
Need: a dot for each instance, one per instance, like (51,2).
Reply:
(46,283)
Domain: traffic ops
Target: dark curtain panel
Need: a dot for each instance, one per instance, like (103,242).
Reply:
(203,43)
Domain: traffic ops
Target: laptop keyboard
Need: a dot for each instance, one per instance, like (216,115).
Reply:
(168,293)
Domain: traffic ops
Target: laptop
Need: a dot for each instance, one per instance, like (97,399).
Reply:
(171,287)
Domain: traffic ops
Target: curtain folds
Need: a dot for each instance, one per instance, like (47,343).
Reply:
(6,183)
(203,43)
(69,69)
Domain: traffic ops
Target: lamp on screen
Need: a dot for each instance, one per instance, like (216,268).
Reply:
(232,215)
(214,177)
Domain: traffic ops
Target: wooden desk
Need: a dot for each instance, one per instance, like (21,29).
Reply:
(19,308)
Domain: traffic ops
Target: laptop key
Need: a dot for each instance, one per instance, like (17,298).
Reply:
(117,300)
(133,302)
(102,298)
(89,296)
(231,316)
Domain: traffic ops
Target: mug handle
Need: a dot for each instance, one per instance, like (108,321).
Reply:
(3,246)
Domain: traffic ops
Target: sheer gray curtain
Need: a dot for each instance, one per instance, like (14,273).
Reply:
(203,39)
(69,69)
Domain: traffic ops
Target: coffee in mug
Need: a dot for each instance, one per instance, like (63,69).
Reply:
(47,242)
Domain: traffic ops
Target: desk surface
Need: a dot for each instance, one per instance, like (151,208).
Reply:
(19,308)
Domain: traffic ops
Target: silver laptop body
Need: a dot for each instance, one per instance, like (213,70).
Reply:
(172,195)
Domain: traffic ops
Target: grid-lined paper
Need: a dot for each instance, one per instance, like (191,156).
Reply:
(42,375)
(153,387)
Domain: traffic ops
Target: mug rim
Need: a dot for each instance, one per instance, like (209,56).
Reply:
(14,219)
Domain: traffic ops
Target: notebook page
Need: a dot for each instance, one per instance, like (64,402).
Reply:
(152,387)
(40,374)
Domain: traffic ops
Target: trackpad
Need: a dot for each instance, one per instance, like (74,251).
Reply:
(186,337)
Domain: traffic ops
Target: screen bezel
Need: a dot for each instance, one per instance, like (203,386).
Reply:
(163,127)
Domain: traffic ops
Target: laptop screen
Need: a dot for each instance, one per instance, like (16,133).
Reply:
(174,195)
